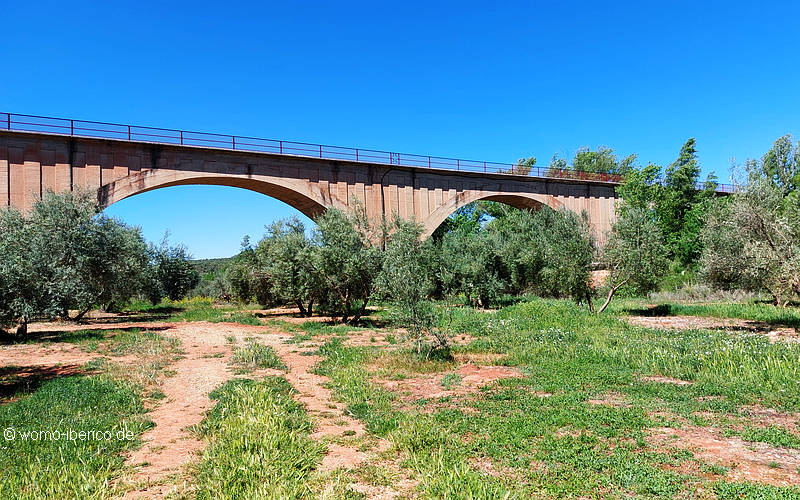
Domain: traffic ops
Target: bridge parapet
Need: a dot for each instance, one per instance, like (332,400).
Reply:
(56,158)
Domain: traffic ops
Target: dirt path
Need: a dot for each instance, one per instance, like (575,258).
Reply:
(169,447)
(329,419)
(158,466)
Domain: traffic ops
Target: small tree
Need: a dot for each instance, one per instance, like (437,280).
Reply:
(634,253)
(407,278)
(285,256)
(172,273)
(347,262)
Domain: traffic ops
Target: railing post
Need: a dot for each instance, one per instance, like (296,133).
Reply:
(8,117)
(181,137)
(458,164)
(320,150)
(429,162)
(356,154)
(280,145)
(129,132)
(484,167)
(233,141)
(72,127)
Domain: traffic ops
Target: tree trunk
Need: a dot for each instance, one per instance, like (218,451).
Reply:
(22,329)
(589,300)
(309,308)
(300,306)
(82,313)
(360,312)
(611,294)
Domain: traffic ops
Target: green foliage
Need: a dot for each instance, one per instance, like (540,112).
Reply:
(63,255)
(680,216)
(172,273)
(752,241)
(286,258)
(212,278)
(523,166)
(641,188)
(471,266)
(634,253)
(603,161)
(499,250)
(347,261)
(679,203)
(550,252)
(781,165)
(407,278)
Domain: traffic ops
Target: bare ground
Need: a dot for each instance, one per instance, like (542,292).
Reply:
(744,461)
(775,333)
(431,386)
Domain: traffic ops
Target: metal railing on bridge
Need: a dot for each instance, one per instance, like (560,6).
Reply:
(105,130)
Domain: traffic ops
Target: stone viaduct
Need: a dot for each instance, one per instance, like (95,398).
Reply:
(33,162)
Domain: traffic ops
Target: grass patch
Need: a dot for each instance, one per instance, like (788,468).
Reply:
(563,445)
(774,435)
(254,355)
(259,444)
(450,381)
(63,468)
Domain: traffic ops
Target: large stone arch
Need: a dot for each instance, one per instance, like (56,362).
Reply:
(297,194)
(526,201)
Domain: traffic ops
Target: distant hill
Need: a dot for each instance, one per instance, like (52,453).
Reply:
(211,267)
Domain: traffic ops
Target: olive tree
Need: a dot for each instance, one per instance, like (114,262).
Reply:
(752,240)
(549,251)
(64,255)
(284,259)
(347,261)
(21,294)
(472,266)
(172,273)
(635,253)
(407,278)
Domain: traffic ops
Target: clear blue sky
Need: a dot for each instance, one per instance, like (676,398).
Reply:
(484,80)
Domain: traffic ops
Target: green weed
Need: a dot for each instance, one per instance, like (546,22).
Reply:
(259,444)
(254,355)
(50,467)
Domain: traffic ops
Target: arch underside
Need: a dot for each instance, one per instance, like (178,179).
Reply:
(143,182)
(524,201)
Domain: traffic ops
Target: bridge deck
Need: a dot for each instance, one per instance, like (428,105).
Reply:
(105,130)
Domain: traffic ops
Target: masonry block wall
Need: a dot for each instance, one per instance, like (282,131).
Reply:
(33,163)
